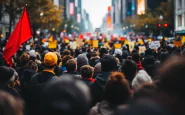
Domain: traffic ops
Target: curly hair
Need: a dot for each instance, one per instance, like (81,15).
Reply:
(117,90)
(86,71)
(31,65)
(65,59)
(24,59)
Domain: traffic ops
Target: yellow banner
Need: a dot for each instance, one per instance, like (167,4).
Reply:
(131,46)
(95,43)
(183,39)
(117,46)
(52,44)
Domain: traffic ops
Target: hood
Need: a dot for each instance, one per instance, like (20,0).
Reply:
(82,60)
(102,78)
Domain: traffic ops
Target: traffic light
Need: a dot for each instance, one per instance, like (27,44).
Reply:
(159,25)
(165,25)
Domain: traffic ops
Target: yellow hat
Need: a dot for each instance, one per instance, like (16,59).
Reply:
(50,59)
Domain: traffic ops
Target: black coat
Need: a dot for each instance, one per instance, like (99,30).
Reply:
(38,83)
(97,88)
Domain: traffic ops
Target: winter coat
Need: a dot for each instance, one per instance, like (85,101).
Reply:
(38,83)
(97,88)
(103,108)
(88,81)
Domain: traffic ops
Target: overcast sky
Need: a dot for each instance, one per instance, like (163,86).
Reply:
(97,10)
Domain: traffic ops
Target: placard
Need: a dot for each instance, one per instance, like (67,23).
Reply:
(177,43)
(154,44)
(79,41)
(95,43)
(52,44)
(117,46)
(142,49)
(131,46)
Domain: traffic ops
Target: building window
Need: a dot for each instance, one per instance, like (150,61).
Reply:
(179,4)
(179,20)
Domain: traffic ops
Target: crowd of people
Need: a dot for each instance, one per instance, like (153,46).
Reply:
(93,81)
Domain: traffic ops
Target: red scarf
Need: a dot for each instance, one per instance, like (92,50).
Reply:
(139,65)
(90,79)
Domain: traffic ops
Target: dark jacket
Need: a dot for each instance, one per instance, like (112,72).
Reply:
(97,88)
(26,82)
(94,61)
(75,74)
(88,81)
(10,90)
(38,83)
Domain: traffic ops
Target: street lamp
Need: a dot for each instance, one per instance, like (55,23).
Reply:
(161,19)
(41,14)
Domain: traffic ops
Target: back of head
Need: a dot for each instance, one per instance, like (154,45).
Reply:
(24,59)
(117,89)
(65,59)
(65,96)
(71,65)
(50,60)
(172,78)
(9,105)
(103,51)
(82,60)
(6,74)
(136,57)
(31,65)
(108,63)
(164,56)
(67,52)
(129,69)
(86,71)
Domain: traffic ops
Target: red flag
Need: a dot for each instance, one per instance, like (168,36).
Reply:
(21,34)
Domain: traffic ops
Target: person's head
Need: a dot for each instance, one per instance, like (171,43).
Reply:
(172,78)
(82,60)
(65,59)
(50,60)
(71,65)
(129,68)
(86,71)
(24,59)
(136,57)
(58,56)
(94,54)
(97,68)
(164,56)
(65,95)
(103,51)
(67,52)
(141,78)
(8,75)
(117,89)
(32,53)
(108,63)
(31,65)
(9,105)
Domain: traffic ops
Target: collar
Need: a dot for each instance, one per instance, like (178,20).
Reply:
(50,71)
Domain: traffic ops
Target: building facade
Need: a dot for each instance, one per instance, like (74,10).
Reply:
(180,17)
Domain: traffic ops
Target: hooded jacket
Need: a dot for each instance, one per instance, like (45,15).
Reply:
(97,88)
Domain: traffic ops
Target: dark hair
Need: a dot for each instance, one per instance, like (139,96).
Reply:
(86,71)
(117,89)
(67,52)
(136,57)
(65,59)
(31,65)
(24,59)
(9,105)
(129,69)
(164,56)
(108,63)
(71,65)
(172,78)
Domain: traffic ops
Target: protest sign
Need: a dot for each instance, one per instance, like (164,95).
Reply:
(95,43)
(154,44)
(117,46)
(183,39)
(131,46)
(79,41)
(52,44)
(142,49)
(177,43)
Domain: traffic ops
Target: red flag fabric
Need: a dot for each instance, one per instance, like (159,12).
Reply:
(21,34)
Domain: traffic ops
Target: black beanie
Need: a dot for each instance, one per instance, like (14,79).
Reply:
(65,96)
(6,73)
